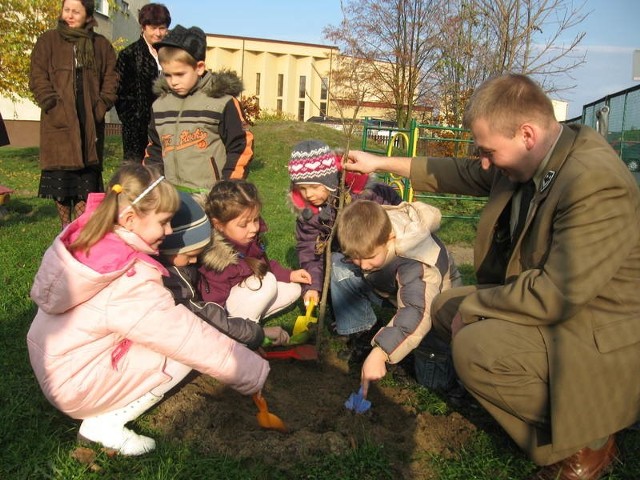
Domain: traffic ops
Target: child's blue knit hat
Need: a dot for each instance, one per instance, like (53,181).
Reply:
(191,228)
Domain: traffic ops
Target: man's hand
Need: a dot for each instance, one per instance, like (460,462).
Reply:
(365,162)
(362,162)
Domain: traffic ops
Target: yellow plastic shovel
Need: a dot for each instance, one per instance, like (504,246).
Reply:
(303,321)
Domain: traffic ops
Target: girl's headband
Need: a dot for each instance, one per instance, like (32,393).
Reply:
(118,188)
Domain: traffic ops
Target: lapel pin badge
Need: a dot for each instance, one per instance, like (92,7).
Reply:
(546,181)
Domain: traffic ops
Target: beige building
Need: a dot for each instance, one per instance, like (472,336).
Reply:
(286,77)
(290,78)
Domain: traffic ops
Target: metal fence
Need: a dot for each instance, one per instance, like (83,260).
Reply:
(113,129)
(423,140)
(617,117)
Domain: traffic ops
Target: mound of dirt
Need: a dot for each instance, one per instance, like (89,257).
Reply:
(309,396)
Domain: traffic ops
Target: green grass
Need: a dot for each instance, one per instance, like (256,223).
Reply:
(36,441)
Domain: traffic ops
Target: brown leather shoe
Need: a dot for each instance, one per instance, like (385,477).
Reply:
(585,464)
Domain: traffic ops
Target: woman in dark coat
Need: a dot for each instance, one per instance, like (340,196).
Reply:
(137,68)
(73,79)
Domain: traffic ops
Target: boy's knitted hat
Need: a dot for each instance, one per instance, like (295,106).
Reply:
(192,40)
(191,228)
(314,162)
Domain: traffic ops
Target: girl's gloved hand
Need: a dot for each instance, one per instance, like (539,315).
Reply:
(277,335)
(311,295)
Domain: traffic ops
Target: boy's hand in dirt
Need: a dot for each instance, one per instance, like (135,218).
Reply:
(277,335)
(374,368)
(311,295)
(300,276)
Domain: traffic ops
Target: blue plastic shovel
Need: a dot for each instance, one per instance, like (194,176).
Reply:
(357,403)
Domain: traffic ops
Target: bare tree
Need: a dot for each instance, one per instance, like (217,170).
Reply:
(396,40)
(421,52)
(348,88)
(528,37)
(489,37)
(464,58)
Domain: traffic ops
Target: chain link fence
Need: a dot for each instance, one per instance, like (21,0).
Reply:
(617,118)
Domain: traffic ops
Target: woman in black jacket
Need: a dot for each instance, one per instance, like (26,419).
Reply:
(138,68)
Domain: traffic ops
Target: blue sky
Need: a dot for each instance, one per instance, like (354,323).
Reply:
(612,34)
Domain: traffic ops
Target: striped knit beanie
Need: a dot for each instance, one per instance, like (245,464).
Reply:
(191,228)
(314,162)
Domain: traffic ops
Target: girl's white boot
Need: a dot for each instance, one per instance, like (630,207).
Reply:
(109,429)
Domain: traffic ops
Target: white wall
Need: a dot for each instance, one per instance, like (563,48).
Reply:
(561,109)
(19,110)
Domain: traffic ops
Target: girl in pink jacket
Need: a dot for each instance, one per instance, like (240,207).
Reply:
(108,340)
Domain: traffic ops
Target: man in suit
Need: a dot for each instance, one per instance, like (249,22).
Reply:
(548,341)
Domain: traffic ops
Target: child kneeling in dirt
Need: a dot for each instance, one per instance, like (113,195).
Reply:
(236,271)
(390,252)
(314,171)
(108,340)
(179,253)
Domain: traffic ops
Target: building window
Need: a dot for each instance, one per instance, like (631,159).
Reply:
(257,84)
(279,105)
(280,84)
(303,86)
(324,89)
(301,111)
(102,6)
(323,109)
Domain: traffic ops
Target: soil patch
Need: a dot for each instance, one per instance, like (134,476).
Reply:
(461,254)
(309,396)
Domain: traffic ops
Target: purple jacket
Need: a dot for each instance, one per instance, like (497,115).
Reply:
(313,228)
(183,282)
(224,266)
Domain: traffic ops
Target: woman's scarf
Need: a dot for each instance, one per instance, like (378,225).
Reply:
(83,38)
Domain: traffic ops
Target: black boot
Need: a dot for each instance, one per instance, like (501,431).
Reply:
(358,347)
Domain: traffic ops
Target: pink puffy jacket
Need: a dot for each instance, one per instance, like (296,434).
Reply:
(100,340)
